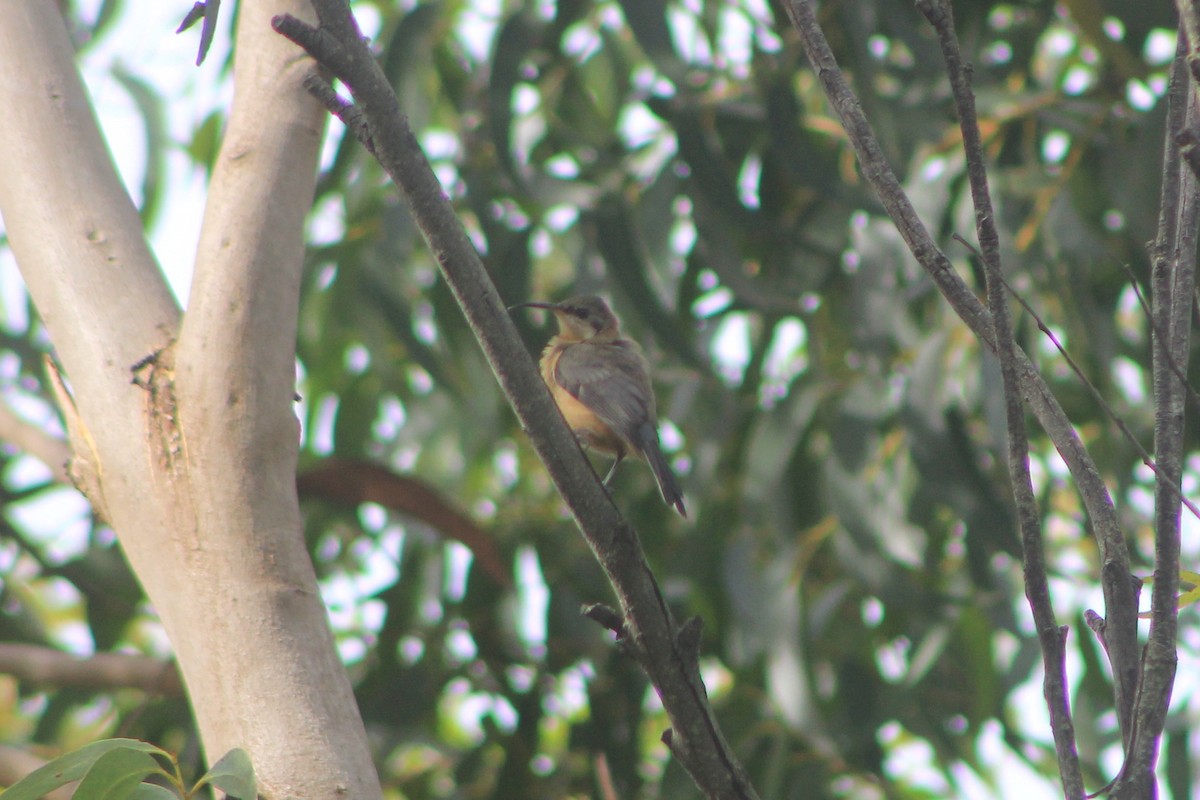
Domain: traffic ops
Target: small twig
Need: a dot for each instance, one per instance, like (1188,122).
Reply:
(341,108)
(1105,406)
(1191,393)
(34,440)
(604,778)
(1108,410)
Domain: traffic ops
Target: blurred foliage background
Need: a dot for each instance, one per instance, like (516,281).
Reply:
(850,544)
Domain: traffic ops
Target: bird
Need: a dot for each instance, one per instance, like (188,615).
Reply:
(601,383)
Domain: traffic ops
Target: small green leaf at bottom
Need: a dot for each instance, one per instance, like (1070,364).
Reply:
(71,767)
(233,774)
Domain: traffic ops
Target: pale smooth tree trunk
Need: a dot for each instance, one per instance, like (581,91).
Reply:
(194,463)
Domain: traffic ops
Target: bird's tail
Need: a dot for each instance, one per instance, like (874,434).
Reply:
(668,484)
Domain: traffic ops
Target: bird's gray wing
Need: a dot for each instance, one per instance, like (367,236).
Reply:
(610,379)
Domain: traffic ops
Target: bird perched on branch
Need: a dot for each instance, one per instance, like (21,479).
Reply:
(601,383)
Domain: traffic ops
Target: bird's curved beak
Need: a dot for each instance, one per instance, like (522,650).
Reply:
(536,304)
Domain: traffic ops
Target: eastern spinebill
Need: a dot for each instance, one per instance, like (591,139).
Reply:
(601,383)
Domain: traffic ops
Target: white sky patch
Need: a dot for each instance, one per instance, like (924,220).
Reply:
(1159,47)
(506,464)
(877,46)
(147,45)
(998,52)
(581,41)
(1059,42)
(458,566)
(533,597)
(649,142)
(933,169)
(1130,379)
(1078,80)
(390,419)
(713,302)
(731,347)
(670,435)
(356,358)
(13,297)
(1139,95)
(563,166)
(560,218)
(58,517)
(423,325)
(786,356)
(910,759)
(690,40)
(748,180)
(735,35)
(683,231)
(892,658)
(541,243)
(321,432)
(477,25)
(372,516)
(459,643)
(872,611)
(1013,776)
(528,127)
(440,144)
(639,126)
(327,222)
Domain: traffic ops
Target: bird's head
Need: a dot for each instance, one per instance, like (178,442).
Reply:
(581,318)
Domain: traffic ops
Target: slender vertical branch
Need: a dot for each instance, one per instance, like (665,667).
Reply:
(1173,257)
(1051,637)
(878,173)
(1189,24)
(883,181)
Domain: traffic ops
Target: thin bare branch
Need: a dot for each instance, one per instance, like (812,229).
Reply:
(341,108)
(45,666)
(1173,257)
(1037,589)
(1105,406)
(882,179)
(34,440)
(879,174)
(1192,395)
(1189,23)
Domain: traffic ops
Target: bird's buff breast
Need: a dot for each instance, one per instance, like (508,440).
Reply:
(588,427)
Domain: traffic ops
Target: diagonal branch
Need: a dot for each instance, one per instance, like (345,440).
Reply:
(882,179)
(647,624)
(1115,569)
(1037,590)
